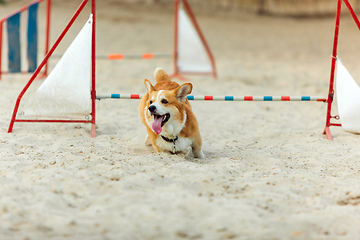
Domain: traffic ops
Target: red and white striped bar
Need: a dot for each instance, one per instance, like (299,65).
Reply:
(226,98)
(259,98)
(119,96)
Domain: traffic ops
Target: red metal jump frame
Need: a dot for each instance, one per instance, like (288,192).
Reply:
(47,32)
(93,92)
(47,56)
(1,30)
(333,65)
(176,42)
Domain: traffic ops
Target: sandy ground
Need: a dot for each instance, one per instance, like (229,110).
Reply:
(269,173)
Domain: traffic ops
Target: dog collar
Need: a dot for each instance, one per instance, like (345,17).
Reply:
(168,139)
(171,141)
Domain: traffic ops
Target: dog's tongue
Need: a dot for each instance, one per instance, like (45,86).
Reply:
(156,126)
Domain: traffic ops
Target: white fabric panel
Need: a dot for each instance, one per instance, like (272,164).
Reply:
(192,56)
(348,99)
(66,91)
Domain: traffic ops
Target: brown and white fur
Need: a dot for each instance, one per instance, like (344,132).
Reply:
(166,113)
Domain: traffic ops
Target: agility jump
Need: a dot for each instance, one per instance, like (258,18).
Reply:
(90,93)
(350,117)
(87,49)
(183,61)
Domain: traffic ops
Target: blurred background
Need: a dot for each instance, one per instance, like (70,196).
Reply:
(293,8)
(290,8)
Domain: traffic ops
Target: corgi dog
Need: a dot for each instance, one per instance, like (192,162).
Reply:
(167,115)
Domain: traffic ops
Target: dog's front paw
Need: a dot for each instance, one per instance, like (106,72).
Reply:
(147,141)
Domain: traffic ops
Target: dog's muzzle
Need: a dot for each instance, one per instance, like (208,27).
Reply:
(159,119)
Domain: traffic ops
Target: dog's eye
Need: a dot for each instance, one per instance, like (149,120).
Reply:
(164,101)
(151,102)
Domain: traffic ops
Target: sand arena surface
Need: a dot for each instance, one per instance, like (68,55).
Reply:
(269,173)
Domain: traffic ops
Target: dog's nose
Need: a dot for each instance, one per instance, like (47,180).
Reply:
(152,108)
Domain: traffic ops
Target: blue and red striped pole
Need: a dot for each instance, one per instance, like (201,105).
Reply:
(225,98)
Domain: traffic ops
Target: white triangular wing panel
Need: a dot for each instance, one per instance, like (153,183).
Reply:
(348,99)
(66,91)
(192,56)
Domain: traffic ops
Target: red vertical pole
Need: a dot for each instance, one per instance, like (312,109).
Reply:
(176,36)
(47,32)
(203,40)
(1,31)
(332,73)
(93,82)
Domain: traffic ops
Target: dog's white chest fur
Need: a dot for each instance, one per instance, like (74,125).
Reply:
(169,130)
(181,144)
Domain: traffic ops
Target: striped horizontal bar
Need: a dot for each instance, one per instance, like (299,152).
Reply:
(226,98)
(123,56)
(119,96)
(120,56)
(135,56)
(258,98)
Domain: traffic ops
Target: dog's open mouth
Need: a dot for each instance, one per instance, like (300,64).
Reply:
(159,121)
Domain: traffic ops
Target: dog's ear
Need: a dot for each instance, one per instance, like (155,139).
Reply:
(148,86)
(182,91)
